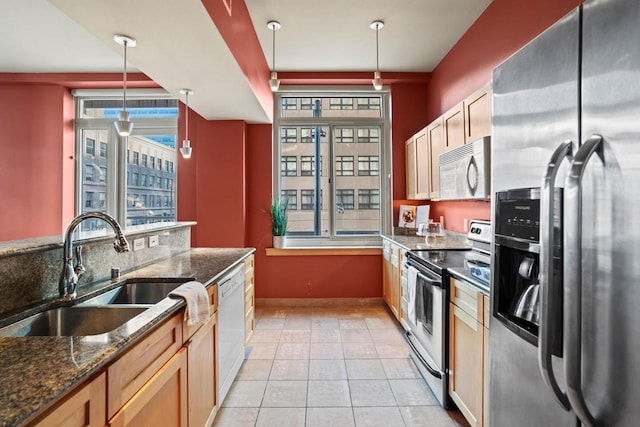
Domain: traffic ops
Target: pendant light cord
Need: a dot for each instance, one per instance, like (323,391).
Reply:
(124,99)
(186,117)
(273,50)
(377,61)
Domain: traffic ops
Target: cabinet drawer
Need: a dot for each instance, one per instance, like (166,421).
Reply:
(248,300)
(131,371)
(187,330)
(468,298)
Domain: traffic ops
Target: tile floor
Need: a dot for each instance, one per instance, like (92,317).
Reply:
(330,366)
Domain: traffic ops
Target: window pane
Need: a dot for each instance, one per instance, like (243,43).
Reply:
(368,106)
(306,220)
(362,215)
(290,197)
(145,198)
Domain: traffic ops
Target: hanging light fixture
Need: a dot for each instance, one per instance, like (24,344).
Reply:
(123,125)
(186,144)
(274,83)
(377,78)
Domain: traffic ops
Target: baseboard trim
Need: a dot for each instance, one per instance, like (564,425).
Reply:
(318,302)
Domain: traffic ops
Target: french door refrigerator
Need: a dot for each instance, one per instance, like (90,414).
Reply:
(566,135)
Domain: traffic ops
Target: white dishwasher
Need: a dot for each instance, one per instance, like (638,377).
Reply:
(230,329)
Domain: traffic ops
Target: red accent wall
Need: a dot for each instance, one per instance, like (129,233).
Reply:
(36,160)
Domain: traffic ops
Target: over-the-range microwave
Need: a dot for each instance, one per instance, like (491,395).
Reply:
(465,171)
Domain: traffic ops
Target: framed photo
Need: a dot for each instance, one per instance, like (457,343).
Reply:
(407,217)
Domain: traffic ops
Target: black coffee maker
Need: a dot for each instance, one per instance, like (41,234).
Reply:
(517,259)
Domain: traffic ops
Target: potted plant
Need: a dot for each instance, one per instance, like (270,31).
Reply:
(279,222)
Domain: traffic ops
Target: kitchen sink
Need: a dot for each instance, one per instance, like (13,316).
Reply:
(138,291)
(72,321)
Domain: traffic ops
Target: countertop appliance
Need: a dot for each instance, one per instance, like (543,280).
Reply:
(230,329)
(425,305)
(465,171)
(566,150)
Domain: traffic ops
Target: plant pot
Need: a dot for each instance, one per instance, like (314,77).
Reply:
(279,241)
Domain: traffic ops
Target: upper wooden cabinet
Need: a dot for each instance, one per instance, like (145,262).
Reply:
(477,111)
(437,146)
(467,121)
(454,126)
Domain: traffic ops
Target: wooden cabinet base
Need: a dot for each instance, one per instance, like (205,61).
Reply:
(201,355)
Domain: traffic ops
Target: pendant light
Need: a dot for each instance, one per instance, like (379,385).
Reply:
(186,144)
(274,83)
(123,124)
(377,78)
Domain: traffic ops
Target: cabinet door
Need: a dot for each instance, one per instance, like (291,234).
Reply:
(249,297)
(395,281)
(477,110)
(485,376)
(465,362)
(201,362)
(128,374)
(86,407)
(162,401)
(411,168)
(454,127)
(422,164)
(437,145)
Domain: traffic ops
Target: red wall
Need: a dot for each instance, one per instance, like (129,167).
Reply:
(36,160)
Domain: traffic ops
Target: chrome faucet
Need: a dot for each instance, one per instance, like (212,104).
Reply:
(70,274)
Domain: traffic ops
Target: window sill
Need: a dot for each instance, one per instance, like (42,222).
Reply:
(324,251)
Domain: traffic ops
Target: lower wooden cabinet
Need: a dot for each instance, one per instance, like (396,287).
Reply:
(162,401)
(249,297)
(86,407)
(202,375)
(391,277)
(467,351)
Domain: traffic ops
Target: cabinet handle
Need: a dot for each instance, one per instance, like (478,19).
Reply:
(432,371)
(549,306)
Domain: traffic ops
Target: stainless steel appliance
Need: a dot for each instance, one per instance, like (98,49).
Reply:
(465,171)
(425,303)
(565,150)
(230,329)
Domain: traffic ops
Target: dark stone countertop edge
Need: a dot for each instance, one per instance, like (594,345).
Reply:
(29,387)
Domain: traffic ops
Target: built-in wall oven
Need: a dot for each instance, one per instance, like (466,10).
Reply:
(425,306)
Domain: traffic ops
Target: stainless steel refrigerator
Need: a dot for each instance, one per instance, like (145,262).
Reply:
(564,344)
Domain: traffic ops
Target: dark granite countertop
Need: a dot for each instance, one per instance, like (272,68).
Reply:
(412,242)
(37,371)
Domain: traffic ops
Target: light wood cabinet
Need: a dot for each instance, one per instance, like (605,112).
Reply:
(485,363)
(477,111)
(437,146)
(453,121)
(132,370)
(162,401)
(391,277)
(202,374)
(466,350)
(418,167)
(411,168)
(85,407)
(249,297)
(189,330)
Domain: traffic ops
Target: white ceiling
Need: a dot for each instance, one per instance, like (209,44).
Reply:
(179,46)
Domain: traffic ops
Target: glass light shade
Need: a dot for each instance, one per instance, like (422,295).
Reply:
(186,149)
(377,80)
(274,83)
(123,126)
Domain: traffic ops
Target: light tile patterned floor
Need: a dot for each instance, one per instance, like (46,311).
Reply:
(326,366)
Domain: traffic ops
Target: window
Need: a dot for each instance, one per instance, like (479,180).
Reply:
(103,150)
(88,173)
(102,198)
(290,197)
(289,135)
(289,103)
(368,199)
(152,181)
(103,174)
(159,164)
(134,179)
(90,149)
(88,199)
(289,166)
(344,200)
(368,166)
(144,161)
(351,131)
(136,157)
(344,135)
(152,162)
(344,166)
(143,180)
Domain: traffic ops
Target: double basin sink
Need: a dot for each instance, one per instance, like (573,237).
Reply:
(97,315)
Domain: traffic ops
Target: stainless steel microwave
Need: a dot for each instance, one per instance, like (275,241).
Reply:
(465,171)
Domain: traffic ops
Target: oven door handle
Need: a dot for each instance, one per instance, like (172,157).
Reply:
(434,372)
(433,282)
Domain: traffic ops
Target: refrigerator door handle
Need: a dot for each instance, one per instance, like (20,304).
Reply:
(573,278)
(548,305)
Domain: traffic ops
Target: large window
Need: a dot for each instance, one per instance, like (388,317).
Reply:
(340,198)
(111,167)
